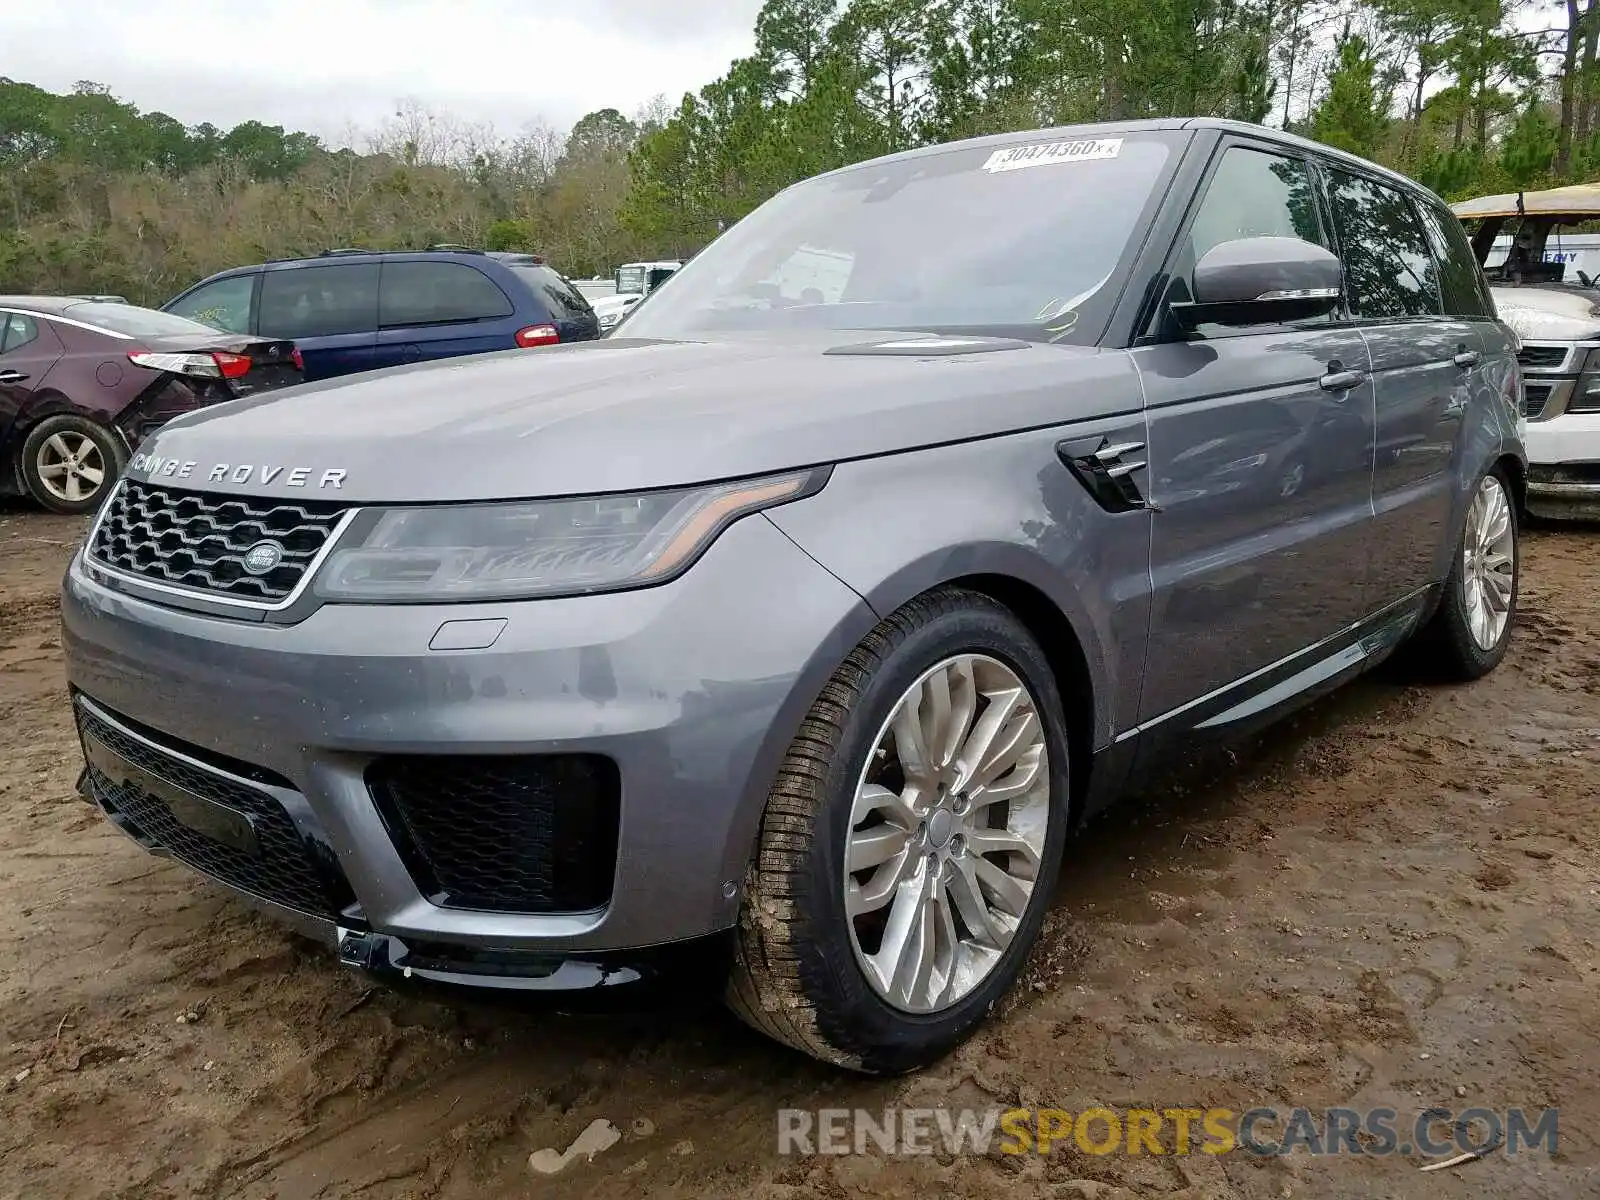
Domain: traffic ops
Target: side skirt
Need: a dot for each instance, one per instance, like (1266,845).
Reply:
(1254,702)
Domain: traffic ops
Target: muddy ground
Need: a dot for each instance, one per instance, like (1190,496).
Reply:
(1395,900)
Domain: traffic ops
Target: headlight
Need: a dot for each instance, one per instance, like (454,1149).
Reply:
(521,550)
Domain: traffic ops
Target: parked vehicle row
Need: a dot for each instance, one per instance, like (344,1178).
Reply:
(1555,309)
(83,381)
(352,310)
(798,623)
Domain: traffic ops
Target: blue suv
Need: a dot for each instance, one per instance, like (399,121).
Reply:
(355,310)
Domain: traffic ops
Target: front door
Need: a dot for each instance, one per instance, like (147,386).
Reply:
(1260,461)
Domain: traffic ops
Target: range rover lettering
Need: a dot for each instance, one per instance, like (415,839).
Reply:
(801,622)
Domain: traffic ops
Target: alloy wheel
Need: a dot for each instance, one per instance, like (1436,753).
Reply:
(947,832)
(1489,563)
(70,466)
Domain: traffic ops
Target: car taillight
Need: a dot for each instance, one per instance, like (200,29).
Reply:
(298,359)
(538,335)
(218,364)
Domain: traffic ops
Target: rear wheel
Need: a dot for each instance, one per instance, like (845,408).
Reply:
(1468,634)
(911,841)
(68,463)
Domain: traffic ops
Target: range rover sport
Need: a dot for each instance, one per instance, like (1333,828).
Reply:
(807,619)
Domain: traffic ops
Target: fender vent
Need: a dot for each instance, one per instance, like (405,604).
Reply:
(1107,471)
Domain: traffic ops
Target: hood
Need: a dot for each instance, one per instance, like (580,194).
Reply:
(1549,312)
(628,414)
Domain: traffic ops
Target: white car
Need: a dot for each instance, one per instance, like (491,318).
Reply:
(635,281)
(1554,308)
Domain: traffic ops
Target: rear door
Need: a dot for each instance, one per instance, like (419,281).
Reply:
(440,309)
(1421,371)
(329,311)
(1260,457)
(28,349)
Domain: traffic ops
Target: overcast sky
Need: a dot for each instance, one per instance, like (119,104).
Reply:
(320,65)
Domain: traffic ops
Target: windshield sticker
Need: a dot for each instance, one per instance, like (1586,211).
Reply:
(1017,158)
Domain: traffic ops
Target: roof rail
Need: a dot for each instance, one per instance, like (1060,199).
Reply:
(454,248)
(345,250)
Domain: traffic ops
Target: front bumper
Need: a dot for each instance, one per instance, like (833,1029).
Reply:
(692,690)
(1564,466)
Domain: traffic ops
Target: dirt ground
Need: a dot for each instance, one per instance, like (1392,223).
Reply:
(1393,900)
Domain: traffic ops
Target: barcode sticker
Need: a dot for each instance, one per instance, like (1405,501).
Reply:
(1044,154)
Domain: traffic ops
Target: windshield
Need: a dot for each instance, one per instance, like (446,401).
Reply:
(139,322)
(630,280)
(1025,240)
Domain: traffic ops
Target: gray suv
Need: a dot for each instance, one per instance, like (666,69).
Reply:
(793,632)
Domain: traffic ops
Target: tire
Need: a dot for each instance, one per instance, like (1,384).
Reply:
(69,463)
(801,965)
(1451,645)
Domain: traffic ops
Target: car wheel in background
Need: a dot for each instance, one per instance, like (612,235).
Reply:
(1468,633)
(911,842)
(68,463)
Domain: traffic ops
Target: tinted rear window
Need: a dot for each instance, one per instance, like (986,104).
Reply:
(306,302)
(437,293)
(565,301)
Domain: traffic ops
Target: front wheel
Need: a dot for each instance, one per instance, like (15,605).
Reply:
(1470,630)
(910,843)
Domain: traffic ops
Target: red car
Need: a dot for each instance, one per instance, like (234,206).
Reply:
(84,380)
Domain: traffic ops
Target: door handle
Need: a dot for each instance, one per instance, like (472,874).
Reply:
(1467,358)
(1340,381)
(12,376)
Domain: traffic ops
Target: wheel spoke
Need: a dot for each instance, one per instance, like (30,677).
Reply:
(1007,893)
(974,909)
(93,476)
(910,745)
(1003,841)
(988,734)
(1019,782)
(58,446)
(904,959)
(52,470)
(874,847)
(74,487)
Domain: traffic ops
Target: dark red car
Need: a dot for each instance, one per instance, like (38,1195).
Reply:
(83,381)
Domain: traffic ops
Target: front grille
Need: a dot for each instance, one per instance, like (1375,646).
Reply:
(533,834)
(1542,358)
(289,870)
(1534,397)
(199,542)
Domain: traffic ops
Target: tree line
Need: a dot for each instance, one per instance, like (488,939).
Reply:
(1468,96)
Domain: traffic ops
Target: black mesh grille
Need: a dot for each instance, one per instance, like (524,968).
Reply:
(286,871)
(1542,358)
(200,541)
(1534,397)
(533,834)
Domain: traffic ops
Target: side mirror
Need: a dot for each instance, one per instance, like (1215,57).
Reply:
(1262,281)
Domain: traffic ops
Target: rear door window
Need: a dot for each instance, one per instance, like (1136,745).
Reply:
(1388,265)
(438,293)
(303,302)
(224,304)
(1461,284)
